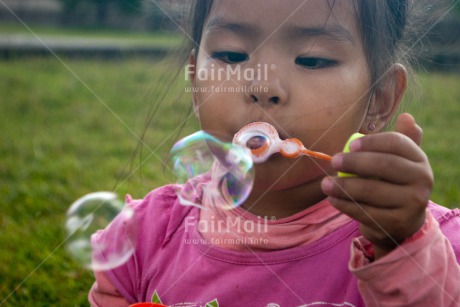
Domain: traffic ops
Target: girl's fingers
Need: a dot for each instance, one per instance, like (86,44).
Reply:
(375,193)
(395,181)
(380,225)
(363,213)
(386,167)
(391,143)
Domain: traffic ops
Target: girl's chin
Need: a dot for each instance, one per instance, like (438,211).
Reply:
(280,175)
(286,182)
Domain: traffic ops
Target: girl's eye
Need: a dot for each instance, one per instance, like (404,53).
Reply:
(315,63)
(230,57)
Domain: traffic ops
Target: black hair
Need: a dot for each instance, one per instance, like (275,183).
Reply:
(199,14)
(383,27)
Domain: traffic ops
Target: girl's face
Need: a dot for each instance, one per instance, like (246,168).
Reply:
(302,69)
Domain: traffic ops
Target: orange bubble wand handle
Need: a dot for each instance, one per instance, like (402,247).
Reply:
(293,148)
(316,154)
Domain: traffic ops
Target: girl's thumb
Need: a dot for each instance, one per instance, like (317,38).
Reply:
(405,124)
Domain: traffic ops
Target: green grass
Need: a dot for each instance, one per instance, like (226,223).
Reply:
(59,141)
(157,39)
(437,110)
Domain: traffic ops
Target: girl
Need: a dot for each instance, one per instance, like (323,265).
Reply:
(332,70)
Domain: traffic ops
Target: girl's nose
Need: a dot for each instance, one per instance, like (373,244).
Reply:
(267,92)
(271,100)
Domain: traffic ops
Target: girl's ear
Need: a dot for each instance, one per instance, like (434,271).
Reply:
(386,99)
(192,77)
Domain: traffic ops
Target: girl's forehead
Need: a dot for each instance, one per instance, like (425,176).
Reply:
(272,16)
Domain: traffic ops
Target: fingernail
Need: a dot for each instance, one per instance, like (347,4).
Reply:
(327,185)
(355,145)
(337,161)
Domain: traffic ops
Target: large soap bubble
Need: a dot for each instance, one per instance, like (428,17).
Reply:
(94,212)
(228,168)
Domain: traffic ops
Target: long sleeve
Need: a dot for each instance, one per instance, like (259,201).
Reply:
(423,271)
(103,293)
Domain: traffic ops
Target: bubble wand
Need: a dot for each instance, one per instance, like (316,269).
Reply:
(263,140)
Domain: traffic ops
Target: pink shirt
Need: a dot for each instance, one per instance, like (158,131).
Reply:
(176,263)
(237,230)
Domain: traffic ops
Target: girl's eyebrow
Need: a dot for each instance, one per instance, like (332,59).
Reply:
(334,32)
(218,23)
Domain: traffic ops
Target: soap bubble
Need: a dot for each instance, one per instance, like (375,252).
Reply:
(94,212)
(226,168)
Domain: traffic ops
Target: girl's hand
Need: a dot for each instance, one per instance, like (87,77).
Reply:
(392,207)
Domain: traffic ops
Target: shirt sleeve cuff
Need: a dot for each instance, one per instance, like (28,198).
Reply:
(362,252)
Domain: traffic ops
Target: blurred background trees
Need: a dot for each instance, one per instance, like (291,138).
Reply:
(117,14)
(100,10)
(439,48)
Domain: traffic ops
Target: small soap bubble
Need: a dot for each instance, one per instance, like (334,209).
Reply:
(94,212)
(226,168)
